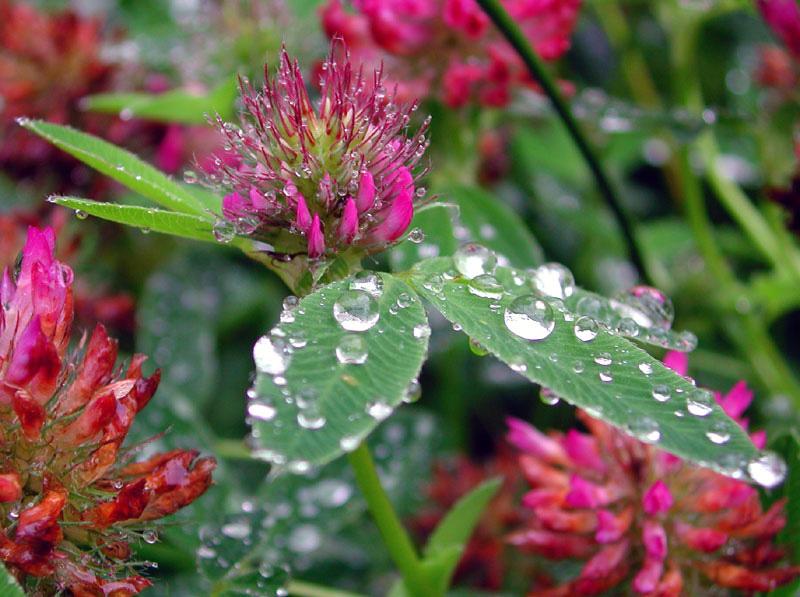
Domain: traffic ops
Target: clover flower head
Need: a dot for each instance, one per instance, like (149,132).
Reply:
(70,501)
(448,48)
(783,17)
(641,516)
(319,178)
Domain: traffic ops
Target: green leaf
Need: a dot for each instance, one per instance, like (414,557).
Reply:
(179,105)
(351,399)
(457,526)
(9,587)
(492,223)
(446,545)
(119,164)
(144,218)
(619,392)
(436,223)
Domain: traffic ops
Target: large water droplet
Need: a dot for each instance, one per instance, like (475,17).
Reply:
(768,469)
(549,397)
(553,279)
(369,282)
(719,432)
(422,331)
(311,418)
(603,359)
(271,356)
(356,311)
(661,392)
(349,443)
(645,429)
(473,260)
(699,402)
(530,318)
(378,410)
(261,410)
(352,350)
(586,329)
(223,231)
(647,306)
(646,368)
(413,392)
(486,286)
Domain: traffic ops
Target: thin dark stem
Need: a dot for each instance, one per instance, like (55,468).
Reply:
(509,29)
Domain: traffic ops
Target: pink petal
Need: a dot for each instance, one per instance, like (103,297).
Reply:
(677,361)
(396,221)
(257,200)
(585,494)
(316,240)
(302,217)
(348,225)
(582,449)
(759,439)
(169,155)
(233,206)
(657,499)
(611,527)
(530,440)
(647,579)
(655,540)
(736,401)
(365,198)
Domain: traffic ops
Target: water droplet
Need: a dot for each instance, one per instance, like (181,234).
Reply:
(628,327)
(590,306)
(223,231)
(378,410)
(586,329)
(304,538)
(518,365)
(352,350)
(477,348)
(270,355)
(768,469)
(416,235)
(239,529)
(645,429)
(486,286)
(530,318)
(553,279)
(578,367)
(719,432)
(356,311)
(605,376)
(549,397)
(80,214)
(647,306)
(661,393)
(261,410)
(646,368)
(349,443)
(435,284)
(311,418)
(150,536)
(699,402)
(422,331)
(473,260)
(369,282)
(404,300)
(290,303)
(603,359)
(413,392)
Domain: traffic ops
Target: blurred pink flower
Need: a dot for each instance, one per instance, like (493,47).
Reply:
(449,48)
(783,17)
(312,180)
(638,515)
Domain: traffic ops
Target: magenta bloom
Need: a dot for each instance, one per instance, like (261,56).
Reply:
(783,17)
(449,48)
(318,178)
(642,518)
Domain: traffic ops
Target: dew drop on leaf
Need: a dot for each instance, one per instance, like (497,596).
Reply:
(699,402)
(270,355)
(645,429)
(486,286)
(352,350)
(356,311)
(585,329)
(647,306)
(767,469)
(472,260)
(554,280)
(378,410)
(530,318)
(661,392)
(368,282)
(719,432)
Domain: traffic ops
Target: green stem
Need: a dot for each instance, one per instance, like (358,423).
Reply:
(298,588)
(232,449)
(394,535)
(494,9)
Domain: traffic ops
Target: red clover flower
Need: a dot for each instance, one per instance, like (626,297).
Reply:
(317,178)
(70,501)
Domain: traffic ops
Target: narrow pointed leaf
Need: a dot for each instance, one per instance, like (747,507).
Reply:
(313,386)
(145,218)
(178,106)
(608,376)
(119,164)
(457,526)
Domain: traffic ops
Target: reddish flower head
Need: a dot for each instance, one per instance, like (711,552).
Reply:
(69,511)
(641,516)
(312,179)
(783,17)
(448,48)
